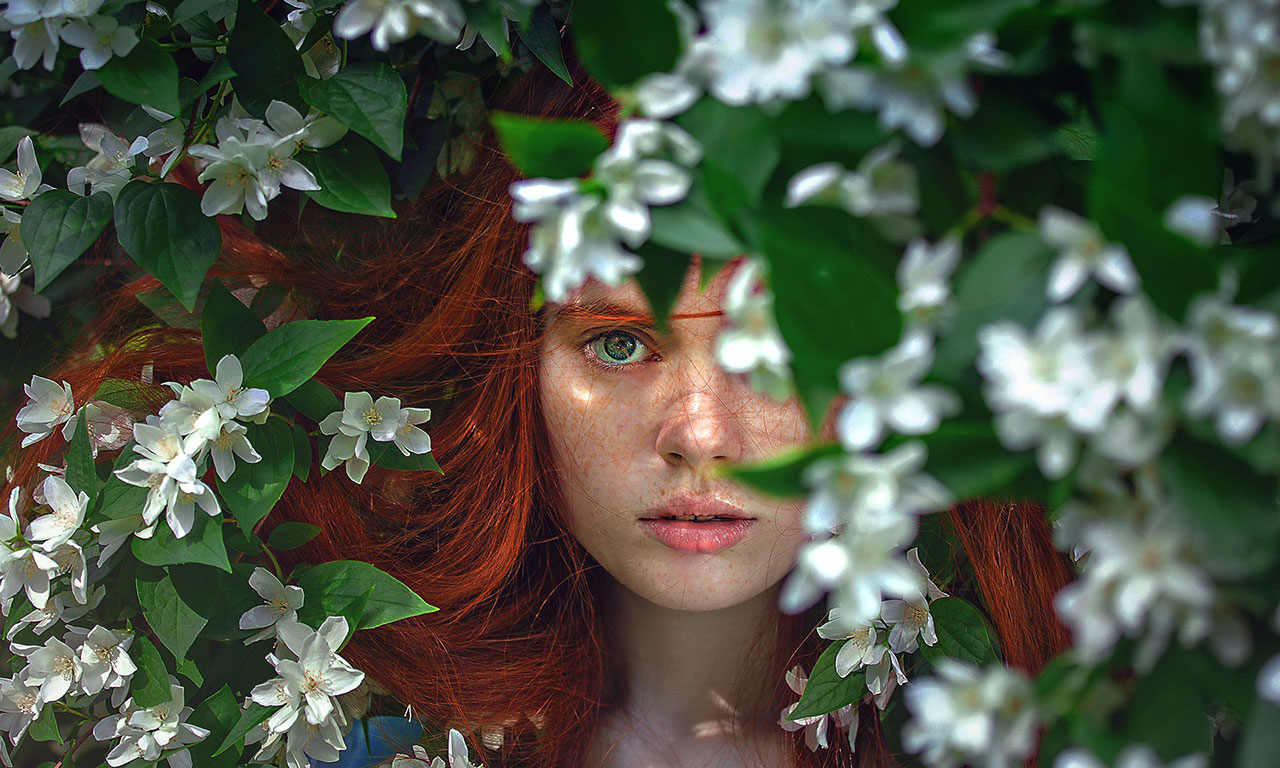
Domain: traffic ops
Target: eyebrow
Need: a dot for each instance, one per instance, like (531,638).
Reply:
(616,311)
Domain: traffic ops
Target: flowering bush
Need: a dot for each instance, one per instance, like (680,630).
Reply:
(1033,243)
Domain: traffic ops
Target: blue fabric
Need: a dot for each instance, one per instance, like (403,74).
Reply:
(386,736)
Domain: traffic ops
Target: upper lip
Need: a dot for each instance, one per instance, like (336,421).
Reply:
(697,506)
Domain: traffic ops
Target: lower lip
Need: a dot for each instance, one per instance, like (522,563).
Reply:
(699,538)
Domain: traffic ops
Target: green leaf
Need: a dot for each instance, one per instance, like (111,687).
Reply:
(967,457)
(82,473)
(161,227)
(353,613)
(301,452)
(941,25)
(266,64)
(962,633)
(621,42)
(202,544)
(314,399)
(331,587)
(227,326)
(388,456)
(1005,280)
(723,131)
(170,615)
(10,135)
(834,301)
(150,684)
(253,489)
(1145,162)
(694,226)
(782,475)
(120,499)
(1168,706)
(351,178)
(826,691)
(288,356)
(367,97)
(148,75)
(218,714)
(557,149)
(1261,741)
(57,226)
(291,535)
(661,279)
(543,39)
(252,716)
(1004,134)
(87,81)
(45,726)
(1233,510)
(189,9)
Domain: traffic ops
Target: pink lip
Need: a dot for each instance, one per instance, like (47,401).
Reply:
(698,537)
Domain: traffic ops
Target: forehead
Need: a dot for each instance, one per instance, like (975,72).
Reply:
(597,298)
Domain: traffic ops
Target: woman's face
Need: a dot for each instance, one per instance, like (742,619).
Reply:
(638,420)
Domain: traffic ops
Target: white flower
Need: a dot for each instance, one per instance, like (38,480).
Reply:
(351,428)
(229,399)
(872,492)
(1235,366)
(146,734)
(237,166)
(22,567)
(50,405)
(55,528)
(282,604)
(170,474)
(231,442)
(14,296)
(71,562)
(1046,389)
(751,342)
(861,647)
(394,20)
(309,684)
(26,182)
(818,727)
(57,611)
(635,182)
(1132,756)
(1140,580)
(882,185)
(54,667)
(112,165)
(1083,253)
(911,96)
(759,51)
(574,239)
(886,392)
(315,131)
(112,534)
(20,704)
(924,279)
(100,37)
(105,661)
(966,715)
(302,743)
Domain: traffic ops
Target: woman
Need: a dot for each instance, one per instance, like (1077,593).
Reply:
(573,619)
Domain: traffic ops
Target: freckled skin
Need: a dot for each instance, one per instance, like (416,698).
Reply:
(627,440)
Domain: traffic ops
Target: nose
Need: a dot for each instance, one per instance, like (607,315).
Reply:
(701,428)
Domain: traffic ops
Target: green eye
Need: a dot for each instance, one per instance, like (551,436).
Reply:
(618,348)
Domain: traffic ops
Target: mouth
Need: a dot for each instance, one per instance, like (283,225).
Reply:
(701,526)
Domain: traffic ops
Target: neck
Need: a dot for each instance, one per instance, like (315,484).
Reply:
(684,669)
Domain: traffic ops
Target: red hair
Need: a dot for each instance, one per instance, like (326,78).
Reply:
(520,629)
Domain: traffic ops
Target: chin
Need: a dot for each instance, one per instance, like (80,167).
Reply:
(700,583)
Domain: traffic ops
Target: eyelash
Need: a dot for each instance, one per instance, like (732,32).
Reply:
(593,359)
